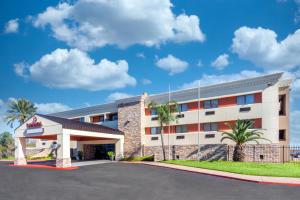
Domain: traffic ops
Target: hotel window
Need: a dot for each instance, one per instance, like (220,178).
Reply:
(211,104)
(245,99)
(153,111)
(182,107)
(98,118)
(282,135)
(181,129)
(112,117)
(210,126)
(155,130)
(282,100)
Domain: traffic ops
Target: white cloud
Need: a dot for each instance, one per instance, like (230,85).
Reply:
(12,26)
(260,46)
(73,68)
(200,63)
(88,24)
(45,108)
(221,62)
(140,55)
(146,81)
(215,79)
(117,95)
(172,64)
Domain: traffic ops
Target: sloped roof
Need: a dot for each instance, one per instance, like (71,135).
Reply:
(82,126)
(227,88)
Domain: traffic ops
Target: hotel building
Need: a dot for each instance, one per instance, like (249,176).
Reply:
(130,128)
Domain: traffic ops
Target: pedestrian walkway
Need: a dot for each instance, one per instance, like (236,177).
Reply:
(92,162)
(242,177)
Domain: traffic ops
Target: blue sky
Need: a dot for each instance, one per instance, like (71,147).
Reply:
(122,48)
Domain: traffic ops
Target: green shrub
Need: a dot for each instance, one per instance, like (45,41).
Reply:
(144,158)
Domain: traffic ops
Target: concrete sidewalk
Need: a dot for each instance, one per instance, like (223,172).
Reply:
(242,177)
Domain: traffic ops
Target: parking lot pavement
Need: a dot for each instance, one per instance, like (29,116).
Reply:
(127,181)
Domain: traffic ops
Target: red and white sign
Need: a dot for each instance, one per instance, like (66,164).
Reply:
(34,123)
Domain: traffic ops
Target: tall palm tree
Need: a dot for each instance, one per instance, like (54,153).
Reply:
(241,133)
(19,110)
(165,117)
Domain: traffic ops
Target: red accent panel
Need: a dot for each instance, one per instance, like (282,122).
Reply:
(172,129)
(257,123)
(222,126)
(192,127)
(227,101)
(192,105)
(147,112)
(148,131)
(258,97)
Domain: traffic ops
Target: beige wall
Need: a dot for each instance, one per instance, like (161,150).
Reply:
(284,121)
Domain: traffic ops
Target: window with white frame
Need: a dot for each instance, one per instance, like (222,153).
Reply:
(211,104)
(155,130)
(153,111)
(210,126)
(245,99)
(181,129)
(182,107)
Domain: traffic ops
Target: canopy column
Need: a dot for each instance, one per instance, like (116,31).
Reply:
(120,149)
(63,152)
(20,150)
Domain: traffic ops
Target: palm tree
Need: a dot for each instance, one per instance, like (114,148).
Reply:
(165,117)
(241,134)
(19,110)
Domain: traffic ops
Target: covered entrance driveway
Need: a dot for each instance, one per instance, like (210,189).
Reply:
(64,131)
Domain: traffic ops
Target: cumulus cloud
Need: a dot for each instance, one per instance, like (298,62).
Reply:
(73,68)
(216,79)
(172,64)
(117,95)
(45,108)
(88,24)
(146,81)
(12,26)
(260,46)
(221,62)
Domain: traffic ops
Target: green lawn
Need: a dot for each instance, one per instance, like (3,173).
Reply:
(250,168)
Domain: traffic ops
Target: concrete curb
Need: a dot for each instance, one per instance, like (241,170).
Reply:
(248,178)
(44,167)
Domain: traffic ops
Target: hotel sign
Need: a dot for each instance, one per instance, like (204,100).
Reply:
(34,126)
(34,123)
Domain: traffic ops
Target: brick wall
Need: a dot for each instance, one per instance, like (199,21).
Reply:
(189,152)
(129,121)
(254,153)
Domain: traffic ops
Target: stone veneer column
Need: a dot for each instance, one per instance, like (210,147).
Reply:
(130,122)
(20,143)
(63,153)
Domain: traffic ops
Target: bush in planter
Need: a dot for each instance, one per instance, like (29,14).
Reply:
(144,158)
(111,155)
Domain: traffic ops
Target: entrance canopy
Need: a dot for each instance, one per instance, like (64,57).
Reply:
(63,130)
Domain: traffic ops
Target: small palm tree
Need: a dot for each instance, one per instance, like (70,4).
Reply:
(241,134)
(19,110)
(165,117)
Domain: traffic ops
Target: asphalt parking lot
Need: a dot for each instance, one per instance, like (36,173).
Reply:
(128,181)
